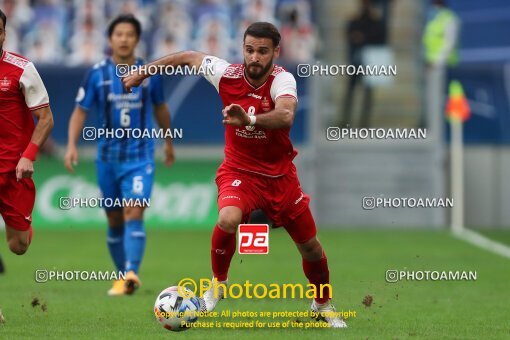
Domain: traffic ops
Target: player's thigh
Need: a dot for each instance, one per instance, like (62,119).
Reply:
(115,217)
(17,200)
(236,198)
(301,228)
(107,181)
(136,181)
(110,189)
(289,199)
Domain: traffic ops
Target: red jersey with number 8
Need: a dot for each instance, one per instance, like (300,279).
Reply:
(267,152)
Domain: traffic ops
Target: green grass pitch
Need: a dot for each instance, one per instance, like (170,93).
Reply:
(358,261)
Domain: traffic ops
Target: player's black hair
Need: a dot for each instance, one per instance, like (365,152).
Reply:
(125,18)
(3,17)
(263,30)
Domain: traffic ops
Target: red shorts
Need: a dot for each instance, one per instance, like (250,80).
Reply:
(281,198)
(16,201)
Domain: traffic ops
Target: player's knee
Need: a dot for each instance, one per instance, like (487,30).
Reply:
(133,213)
(115,218)
(311,250)
(17,246)
(229,220)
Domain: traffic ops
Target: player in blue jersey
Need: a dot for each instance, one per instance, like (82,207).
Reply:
(125,166)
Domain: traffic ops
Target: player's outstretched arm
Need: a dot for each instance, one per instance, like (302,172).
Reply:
(25,167)
(184,58)
(162,115)
(75,127)
(281,117)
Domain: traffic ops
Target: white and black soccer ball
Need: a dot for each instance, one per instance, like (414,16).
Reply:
(174,311)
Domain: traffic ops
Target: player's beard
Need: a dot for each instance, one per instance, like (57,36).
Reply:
(257,75)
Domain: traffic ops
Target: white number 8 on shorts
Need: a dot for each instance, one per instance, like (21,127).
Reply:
(236,183)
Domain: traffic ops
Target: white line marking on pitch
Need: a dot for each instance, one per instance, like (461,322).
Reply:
(483,242)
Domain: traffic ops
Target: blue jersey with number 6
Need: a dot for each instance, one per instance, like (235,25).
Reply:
(120,110)
(125,165)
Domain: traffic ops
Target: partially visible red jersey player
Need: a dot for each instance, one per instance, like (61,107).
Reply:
(259,100)
(22,93)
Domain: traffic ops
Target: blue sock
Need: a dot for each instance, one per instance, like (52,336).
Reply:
(134,243)
(115,241)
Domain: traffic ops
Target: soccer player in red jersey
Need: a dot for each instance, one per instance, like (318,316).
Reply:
(22,94)
(260,100)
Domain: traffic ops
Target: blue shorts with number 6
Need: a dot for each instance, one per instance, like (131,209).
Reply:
(132,180)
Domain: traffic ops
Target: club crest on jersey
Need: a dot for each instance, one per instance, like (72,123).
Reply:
(5,84)
(148,169)
(265,105)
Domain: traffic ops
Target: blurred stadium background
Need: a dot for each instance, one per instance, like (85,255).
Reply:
(64,38)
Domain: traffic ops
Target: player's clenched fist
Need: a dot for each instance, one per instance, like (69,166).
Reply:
(169,154)
(71,158)
(24,169)
(132,80)
(235,115)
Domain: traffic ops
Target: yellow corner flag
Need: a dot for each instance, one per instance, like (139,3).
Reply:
(457,107)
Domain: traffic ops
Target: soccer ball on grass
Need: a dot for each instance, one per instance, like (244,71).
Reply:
(176,308)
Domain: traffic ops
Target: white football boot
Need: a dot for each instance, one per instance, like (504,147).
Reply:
(213,295)
(332,319)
